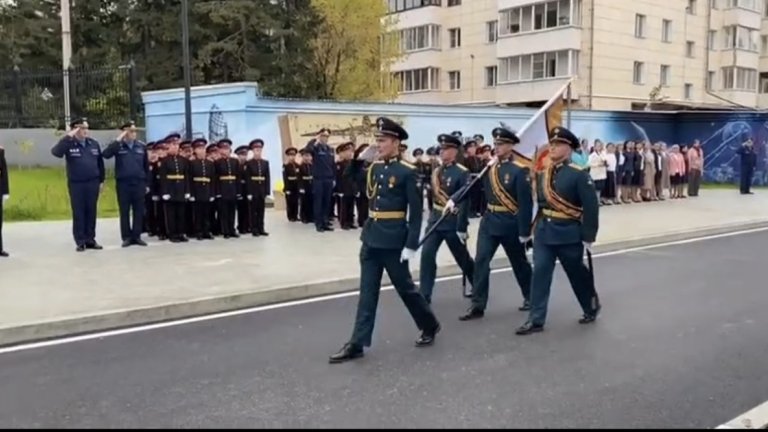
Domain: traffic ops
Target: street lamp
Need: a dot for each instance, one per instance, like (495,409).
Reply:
(187,69)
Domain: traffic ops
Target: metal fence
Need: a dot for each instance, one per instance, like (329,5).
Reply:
(107,97)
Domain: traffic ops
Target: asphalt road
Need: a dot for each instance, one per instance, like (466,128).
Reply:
(681,343)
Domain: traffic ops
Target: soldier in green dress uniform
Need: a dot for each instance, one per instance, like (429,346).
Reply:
(566,224)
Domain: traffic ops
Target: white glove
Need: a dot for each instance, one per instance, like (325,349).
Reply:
(357,194)
(250,197)
(462,236)
(212,199)
(524,240)
(407,255)
(6,197)
(155,198)
(587,246)
(166,197)
(369,154)
(192,199)
(147,191)
(239,196)
(287,192)
(301,191)
(187,196)
(218,196)
(494,160)
(449,206)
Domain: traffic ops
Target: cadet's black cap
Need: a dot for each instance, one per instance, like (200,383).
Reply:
(241,149)
(291,151)
(161,145)
(78,122)
(478,137)
(185,144)
(199,142)
(128,125)
(418,152)
(449,141)
(150,145)
(470,143)
(564,136)
(431,151)
(258,142)
(457,134)
(172,136)
(504,136)
(224,142)
(211,148)
(324,131)
(486,147)
(385,126)
(344,147)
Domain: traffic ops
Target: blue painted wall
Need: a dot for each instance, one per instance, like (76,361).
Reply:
(237,111)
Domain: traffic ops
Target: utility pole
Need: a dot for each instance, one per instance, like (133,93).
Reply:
(187,69)
(66,58)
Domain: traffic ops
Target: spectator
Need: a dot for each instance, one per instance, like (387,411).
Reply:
(658,193)
(748,161)
(684,153)
(627,167)
(598,169)
(609,192)
(649,173)
(676,172)
(5,193)
(696,168)
(323,178)
(637,172)
(665,179)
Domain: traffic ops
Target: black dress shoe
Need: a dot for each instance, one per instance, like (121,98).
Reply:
(525,307)
(80,248)
(4,254)
(208,237)
(328,228)
(472,314)
(318,229)
(264,233)
(587,319)
(255,234)
(346,353)
(183,239)
(94,246)
(140,242)
(162,238)
(235,235)
(427,338)
(529,328)
(127,243)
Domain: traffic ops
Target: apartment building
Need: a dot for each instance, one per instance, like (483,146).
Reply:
(623,53)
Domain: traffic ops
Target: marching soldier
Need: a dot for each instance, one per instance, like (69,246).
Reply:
(347,186)
(389,241)
(212,154)
(227,183)
(356,171)
(507,223)
(567,223)
(243,206)
(201,172)
(173,171)
(5,193)
(449,178)
(291,174)
(306,202)
(257,184)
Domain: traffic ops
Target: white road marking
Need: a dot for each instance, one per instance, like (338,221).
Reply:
(219,315)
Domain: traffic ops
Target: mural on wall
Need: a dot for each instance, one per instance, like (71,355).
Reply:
(297,129)
(217,127)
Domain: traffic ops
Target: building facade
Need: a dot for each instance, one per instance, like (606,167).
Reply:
(624,54)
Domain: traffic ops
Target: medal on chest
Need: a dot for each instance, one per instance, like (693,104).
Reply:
(506,178)
(391,182)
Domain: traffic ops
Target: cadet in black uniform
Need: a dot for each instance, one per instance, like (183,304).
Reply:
(567,223)
(150,214)
(185,151)
(174,192)
(306,195)
(389,242)
(357,170)
(5,193)
(212,154)
(447,179)
(430,165)
(346,186)
(161,148)
(244,210)
(257,185)
(473,163)
(201,172)
(291,180)
(228,188)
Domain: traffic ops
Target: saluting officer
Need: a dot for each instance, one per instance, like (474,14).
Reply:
(202,175)
(5,193)
(174,192)
(132,182)
(257,187)
(85,175)
(447,179)
(291,174)
(306,186)
(567,223)
(346,186)
(389,241)
(227,183)
(507,223)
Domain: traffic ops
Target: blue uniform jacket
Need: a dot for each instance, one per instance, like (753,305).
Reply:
(446,181)
(323,162)
(84,161)
(395,205)
(131,164)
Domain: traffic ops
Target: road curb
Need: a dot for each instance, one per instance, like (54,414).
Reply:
(111,320)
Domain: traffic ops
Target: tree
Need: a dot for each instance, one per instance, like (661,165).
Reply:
(352,53)
(29,34)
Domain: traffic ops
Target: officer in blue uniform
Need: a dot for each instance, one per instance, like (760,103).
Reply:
(132,179)
(323,172)
(390,238)
(447,179)
(566,224)
(748,162)
(85,176)
(506,223)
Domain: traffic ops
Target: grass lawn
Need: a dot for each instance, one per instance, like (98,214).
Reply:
(39,194)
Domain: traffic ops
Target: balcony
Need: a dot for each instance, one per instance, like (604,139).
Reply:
(740,57)
(554,39)
(742,17)
(531,91)
(741,97)
(762,100)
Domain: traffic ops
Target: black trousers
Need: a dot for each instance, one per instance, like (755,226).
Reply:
(243,216)
(745,182)
(258,206)
(162,231)
(201,218)
(149,215)
(175,218)
(130,200)
(227,216)
(292,205)
(347,211)
(189,223)
(1,224)
(475,199)
(307,207)
(213,218)
(361,202)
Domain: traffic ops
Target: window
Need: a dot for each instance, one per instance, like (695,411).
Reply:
(739,78)
(454,80)
(664,75)
(639,26)
(666,30)
(417,79)
(763,45)
(637,73)
(711,39)
(711,80)
(539,16)
(492,31)
(395,6)
(491,76)
(553,64)
(419,38)
(689,47)
(454,3)
(454,37)
(713,4)
(763,82)
(744,4)
(740,38)
(765,9)
(688,91)
(691,8)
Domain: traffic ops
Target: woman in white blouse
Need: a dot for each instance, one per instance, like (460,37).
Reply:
(610,195)
(598,168)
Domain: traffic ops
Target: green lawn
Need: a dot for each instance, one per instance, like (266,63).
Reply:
(39,194)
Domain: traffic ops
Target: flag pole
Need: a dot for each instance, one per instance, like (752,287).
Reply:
(568,104)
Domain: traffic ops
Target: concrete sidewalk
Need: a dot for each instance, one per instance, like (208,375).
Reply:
(49,290)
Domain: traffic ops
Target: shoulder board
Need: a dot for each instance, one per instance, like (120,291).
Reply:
(521,164)
(378,162)
(576,167)
(462,167)
(408,164)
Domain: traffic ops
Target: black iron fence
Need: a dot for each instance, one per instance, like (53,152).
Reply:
(107,97)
